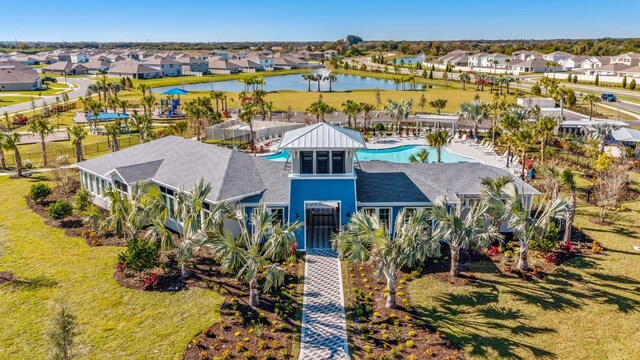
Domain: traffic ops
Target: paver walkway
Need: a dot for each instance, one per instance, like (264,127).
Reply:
(324,329)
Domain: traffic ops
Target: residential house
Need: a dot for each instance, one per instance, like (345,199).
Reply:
(476,59)
(320,187)
(19,79)
(525,55)
(572,62)
(556,56)
(133,69)
(79,57)
(493,60)
(65,68)
(630,59)
(608,70)
(192,64)
(534,66)
(247,65)
(166,66)
(266,62)
(444,60)
(97,66)
(223,67)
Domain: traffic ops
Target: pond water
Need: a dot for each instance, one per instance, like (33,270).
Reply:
(297,83)
(398,154)
(408,60)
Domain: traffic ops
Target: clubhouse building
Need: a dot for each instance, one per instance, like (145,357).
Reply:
(320,185)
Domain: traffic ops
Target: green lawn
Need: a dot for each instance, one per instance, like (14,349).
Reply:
(115,322)
(180,80)
(587,309)
(11,100)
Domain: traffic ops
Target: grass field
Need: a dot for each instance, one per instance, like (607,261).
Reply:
(180,80)
(10,100)
(116,322)
(587,309)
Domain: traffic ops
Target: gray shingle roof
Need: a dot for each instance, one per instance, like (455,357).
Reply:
(382,181)
(180,163)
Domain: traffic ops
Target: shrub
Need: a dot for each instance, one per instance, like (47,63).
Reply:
(139,256)
(549,241)
(632,85)
(39,192)
(379,127)
(151,281)
(550,258)
(82,200)
(28,164)
(493,250)
(597,248)
(59,209)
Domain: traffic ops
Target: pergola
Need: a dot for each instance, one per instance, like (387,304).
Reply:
(437,121)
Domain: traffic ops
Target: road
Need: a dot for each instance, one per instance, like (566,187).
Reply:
(79,91)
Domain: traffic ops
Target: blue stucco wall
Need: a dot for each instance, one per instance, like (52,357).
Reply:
(302,190)
(248,210)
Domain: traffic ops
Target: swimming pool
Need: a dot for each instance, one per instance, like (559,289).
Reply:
(398,154)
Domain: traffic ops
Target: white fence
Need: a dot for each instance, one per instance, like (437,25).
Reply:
(591,78)
(234,130)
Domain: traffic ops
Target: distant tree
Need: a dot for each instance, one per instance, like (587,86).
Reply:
(575,79)
(591,99)
(438,139)
(624,82)
(11,142)
(422,102)
(421,156)
(366,110)
(597,80)
(353,40)
(536,90)
(632,84)
(41,127)
(438,104)
(77,134)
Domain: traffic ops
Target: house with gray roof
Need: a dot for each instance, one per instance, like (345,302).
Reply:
(321,183)
(65,67)
(133,69)
(16,78)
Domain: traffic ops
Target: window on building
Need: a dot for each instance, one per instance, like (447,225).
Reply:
(306,162)
(278,215)
(337,162)
(91,183)
(322,162)
(384,214)
(169,197)
(120,185)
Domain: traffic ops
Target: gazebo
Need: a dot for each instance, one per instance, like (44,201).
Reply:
(438,120)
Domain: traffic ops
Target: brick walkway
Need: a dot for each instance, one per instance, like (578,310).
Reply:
(324,329)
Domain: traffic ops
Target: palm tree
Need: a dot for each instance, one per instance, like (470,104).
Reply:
(149,102)
(95,108)
(77,134)
(460,231)
(41,127)
(189,207)
(143,89)
(474,111)
(318,79)
(510,123)
(94,89)
(113,131)
(602,132)
(492,196)
(255,251)
(591,99)
(542,129)
(569,182)
(438,105)
(399,111)
(309,79)
(351,109)
(496,107)
(526,226)
(438,139)
(421,156)
(11,142)
(195,113)
(331,77)
(366,110)
(366,239)
(319,109)
(523,138)
(3,162)
(247,113)
(464,79)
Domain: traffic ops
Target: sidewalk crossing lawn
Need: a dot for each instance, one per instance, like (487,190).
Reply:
(116,322)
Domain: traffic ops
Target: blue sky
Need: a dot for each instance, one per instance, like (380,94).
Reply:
(241,20)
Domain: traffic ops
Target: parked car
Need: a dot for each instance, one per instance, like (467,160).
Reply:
(49,79)
(608,97)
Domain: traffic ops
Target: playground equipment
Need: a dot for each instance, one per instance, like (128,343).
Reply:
(171,106)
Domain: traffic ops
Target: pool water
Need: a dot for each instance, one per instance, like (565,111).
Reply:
(297,83)
(398,154)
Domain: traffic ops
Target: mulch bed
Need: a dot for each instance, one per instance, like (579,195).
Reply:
(270,331)
(5,277)
(165,278)
(376,332)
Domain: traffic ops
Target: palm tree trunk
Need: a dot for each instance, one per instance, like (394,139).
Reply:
(184,270)
(571,214)
(79,156)
(391,294)
(439,152)
(18,161)
(44,151)
(508,154)
(455,262)
(493,132)
(2,160)
(542,144)
(522,160)
(523,262)
(254,298)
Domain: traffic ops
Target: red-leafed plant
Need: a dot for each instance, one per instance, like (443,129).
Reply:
(567,247)
(493,250)
(119,267)
(550,258)
(150,281)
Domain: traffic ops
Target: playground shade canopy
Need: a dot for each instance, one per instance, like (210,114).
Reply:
(175,91)
(108,116)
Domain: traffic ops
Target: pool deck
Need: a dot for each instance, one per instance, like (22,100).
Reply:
(482,153)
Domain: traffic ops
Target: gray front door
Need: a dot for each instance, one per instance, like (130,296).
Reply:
(322,219)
